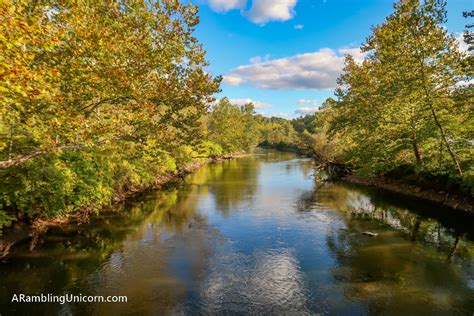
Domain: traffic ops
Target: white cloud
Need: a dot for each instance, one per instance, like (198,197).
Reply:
(464,83)
(257,104)
(263,11)
(259,59)
(303,101)
(299,26)
(226,5)
(462,44)
(356,53)
(305,110)
(279,114)
(233,81)
(318,70)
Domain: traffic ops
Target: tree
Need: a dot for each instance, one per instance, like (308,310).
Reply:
(97,97)
(402,98)
(96,72)
(468,35)
(233,127)
(302,123)
(277,133)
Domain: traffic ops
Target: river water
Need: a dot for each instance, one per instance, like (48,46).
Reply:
(255,235)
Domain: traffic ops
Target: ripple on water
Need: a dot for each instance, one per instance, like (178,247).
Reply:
(264,281)
(255,236)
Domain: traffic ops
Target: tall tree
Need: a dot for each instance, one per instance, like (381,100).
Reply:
(95,72)
(96,97)
(403,95)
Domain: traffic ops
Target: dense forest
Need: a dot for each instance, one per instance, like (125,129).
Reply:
(101,97)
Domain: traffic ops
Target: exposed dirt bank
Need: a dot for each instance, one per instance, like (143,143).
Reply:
(406,187)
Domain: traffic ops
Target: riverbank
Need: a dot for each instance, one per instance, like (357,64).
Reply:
(287,148)
(408,188)
(243,222)
(30,231)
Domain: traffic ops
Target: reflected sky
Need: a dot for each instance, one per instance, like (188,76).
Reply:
(255,235)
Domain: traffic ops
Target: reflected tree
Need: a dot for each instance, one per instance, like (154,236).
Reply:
(231,182)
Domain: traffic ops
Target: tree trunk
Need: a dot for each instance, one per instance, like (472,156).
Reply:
(445,140)
(416,151)
(18,160)
(430,104)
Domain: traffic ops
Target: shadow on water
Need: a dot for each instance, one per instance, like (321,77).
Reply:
(133,241)
(421,260)
(152,249)
(404,213)
(255,235)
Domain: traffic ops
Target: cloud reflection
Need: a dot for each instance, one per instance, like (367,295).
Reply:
(266,281)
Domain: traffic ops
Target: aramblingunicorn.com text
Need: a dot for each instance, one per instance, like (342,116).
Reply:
(68,298)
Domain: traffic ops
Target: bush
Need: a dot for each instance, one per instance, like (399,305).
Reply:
(59,183)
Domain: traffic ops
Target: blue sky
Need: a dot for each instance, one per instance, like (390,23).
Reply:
(290,51)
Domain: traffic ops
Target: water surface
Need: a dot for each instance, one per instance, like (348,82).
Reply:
(255,235)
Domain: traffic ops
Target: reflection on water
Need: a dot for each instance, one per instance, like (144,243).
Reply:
(255,235)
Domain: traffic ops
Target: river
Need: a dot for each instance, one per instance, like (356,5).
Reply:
(255,235)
